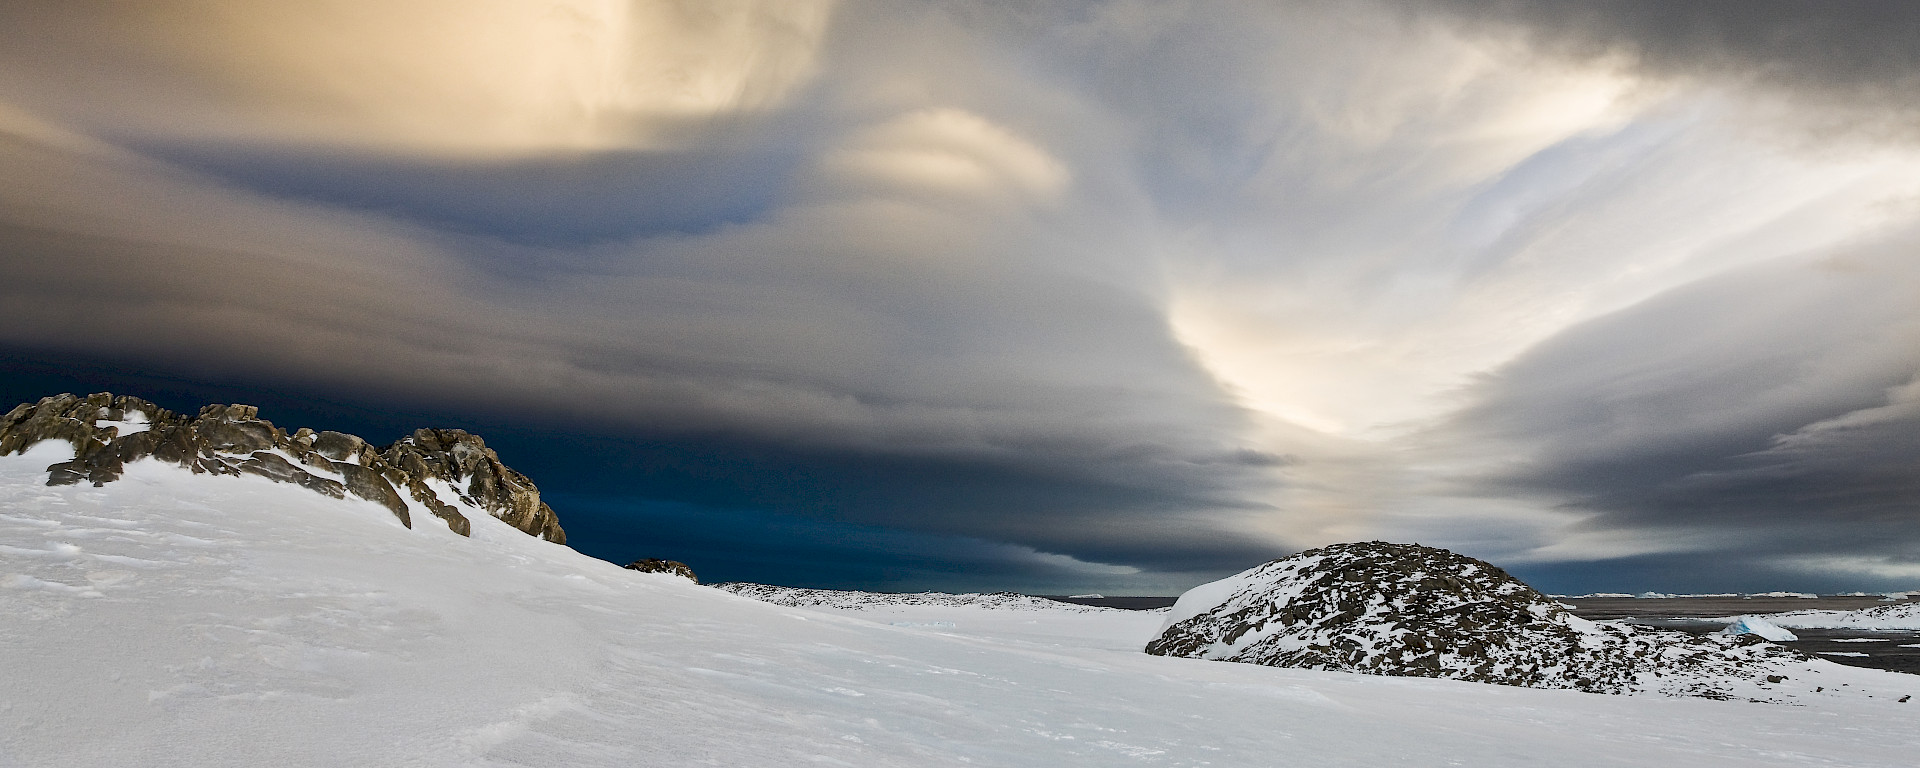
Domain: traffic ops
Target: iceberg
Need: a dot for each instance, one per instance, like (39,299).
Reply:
(1754,625)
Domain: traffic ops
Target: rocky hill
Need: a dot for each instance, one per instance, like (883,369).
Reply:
(436,470)
(1400,609)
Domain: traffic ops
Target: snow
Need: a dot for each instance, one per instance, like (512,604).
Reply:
(132,423)
(1754,625)
(169,619)
(1898,616)
(1205,597)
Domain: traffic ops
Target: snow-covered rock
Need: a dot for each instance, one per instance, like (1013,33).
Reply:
(1754,625)
(1409,610)
(437,471)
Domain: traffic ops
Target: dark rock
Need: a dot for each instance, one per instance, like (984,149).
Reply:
(675,567)
(369,484)
(475,472)
(337,446)
(456,522)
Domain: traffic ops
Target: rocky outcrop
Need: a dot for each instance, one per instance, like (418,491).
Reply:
(108,431)
(675,567)
(465,462)
(1399,609)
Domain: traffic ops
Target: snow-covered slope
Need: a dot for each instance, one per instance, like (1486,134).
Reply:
(1409,610)
(173,619)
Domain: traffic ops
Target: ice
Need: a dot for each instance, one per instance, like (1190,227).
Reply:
(241,622)
(1754,625)
(1897,616)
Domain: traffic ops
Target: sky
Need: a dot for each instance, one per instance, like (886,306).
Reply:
(1052,297)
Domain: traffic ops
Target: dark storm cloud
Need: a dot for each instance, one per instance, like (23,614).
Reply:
(549,201)
(1757,418)
(1852,50)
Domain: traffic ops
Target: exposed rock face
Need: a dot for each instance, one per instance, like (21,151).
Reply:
(675,567)
(107,431)
(1398,609)
(475,472)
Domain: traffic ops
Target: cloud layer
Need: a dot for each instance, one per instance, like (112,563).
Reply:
(1136,289)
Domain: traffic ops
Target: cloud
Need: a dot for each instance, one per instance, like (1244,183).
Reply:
(1855,55)
(1166,286)
(467,79)
(1756,414)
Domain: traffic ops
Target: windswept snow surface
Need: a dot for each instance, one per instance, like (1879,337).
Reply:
(169,619)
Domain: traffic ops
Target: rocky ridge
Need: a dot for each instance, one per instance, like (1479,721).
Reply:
(435,470)
(796,597)
(1408,610)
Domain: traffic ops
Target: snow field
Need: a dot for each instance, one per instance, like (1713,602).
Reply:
(169,619)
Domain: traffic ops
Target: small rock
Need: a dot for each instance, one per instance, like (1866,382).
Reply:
(652,565)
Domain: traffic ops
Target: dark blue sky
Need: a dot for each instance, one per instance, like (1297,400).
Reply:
(1059,297)
(736,509)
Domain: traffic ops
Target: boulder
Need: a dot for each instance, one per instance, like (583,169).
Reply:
(675,567)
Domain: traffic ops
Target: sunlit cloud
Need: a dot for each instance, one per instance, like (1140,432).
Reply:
(449,77)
